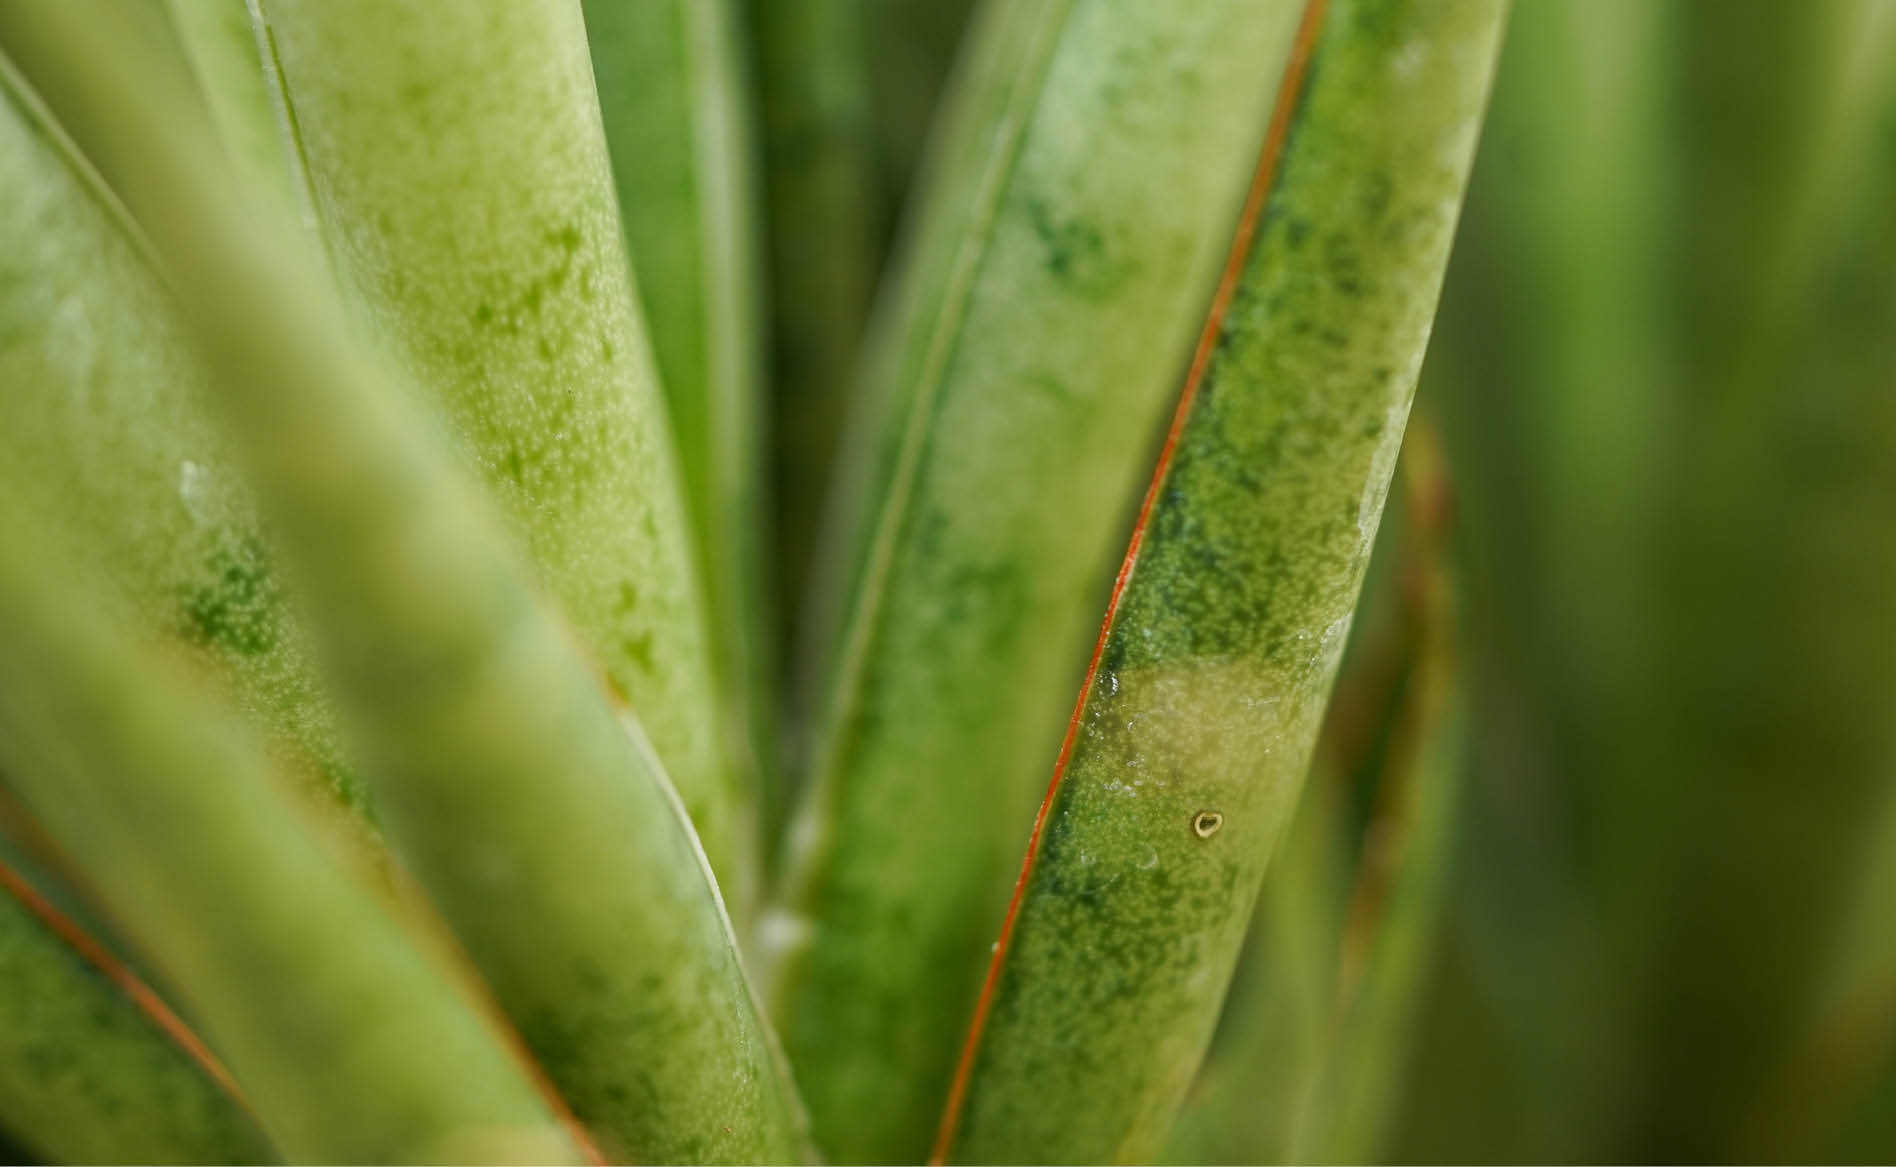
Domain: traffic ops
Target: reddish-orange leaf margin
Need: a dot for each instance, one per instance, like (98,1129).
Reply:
(1283,110)
(163,1018)
(141,995)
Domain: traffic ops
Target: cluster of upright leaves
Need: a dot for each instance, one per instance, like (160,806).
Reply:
(360,535)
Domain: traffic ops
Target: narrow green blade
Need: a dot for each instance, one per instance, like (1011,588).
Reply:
(676,108)
(104,433)
(460,172)
(1200,712)
(349,1042)
(1255,1089)
(85,1075)
(1084,187)
(548,837)
(1388,928)
(224,49)
(825,219)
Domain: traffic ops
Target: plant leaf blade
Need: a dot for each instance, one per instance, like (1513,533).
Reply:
(461,178)
(1197,722)
(1090,163)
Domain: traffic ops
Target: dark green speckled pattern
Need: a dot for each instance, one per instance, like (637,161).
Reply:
(1082,194)
(460,172)
(541,828)
(673,96)
(1199,722)
(103,432)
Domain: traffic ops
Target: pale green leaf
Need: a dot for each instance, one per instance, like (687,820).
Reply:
(1201,710)
(1083,190)
(460,173)
(350,1043)
(224,49)
(547,835)
(104,433)
(675,103)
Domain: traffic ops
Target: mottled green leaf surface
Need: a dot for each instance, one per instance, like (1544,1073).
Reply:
(103,433)
(1255,1087)
(1315,1040)
(1198,722)
(674,97)
(544,830)
(460,171)
(1083,192)
(87,1078)
(912,50)
(349,1042)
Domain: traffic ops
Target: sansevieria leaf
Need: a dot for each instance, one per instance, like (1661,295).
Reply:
(673,94)
(222,43)
(1403,856)
(460,173)
(1202,704)
(543,830)
(1314,1038)
(86,1075)
(1090,167)
(1253,1096)
(104,434)
(352,1044)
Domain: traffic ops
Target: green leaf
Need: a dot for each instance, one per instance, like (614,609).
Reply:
(102,432)
(85,1075)
(672,92)
(544,830)
(223,46)
(1084,186)
(460,173)
(1394,913)
(1313,1045)
(1693,710)
(1253,1092)
(1201,709)
(348,1041)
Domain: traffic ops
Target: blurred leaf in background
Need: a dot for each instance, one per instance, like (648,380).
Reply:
(1666,364)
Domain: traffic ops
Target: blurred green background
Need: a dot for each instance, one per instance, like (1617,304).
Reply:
(1665,377)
